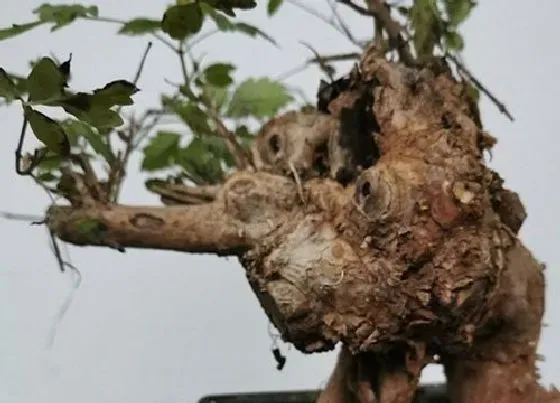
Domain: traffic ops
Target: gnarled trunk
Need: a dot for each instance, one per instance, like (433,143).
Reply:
(415,260)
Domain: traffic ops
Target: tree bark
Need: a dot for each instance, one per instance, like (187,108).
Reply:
(416,258)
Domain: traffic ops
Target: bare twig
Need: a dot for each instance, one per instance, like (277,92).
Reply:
(118,170)
(499,104)
(341,57)
(142,62)
(382,15)
(242,158)
(19,170)
(331,21)
(182,194)
(121,22)
(21,217)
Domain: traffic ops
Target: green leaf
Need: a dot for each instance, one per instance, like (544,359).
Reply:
(458,10)
(201,158)
(97,116)
(260,98)
(48,131)
(8,89)
(63,14)
(189,113)
(140,26)
(218,74)
(182,20)
(17,29)
(115,93)
(76,128)
(427,29)
(160,151)
(47,177)
(454,41)
(273,6)
(45,81)
(225,25)
(217,96)
(252,31)
(227,6)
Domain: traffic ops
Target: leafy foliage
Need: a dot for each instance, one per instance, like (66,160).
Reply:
(261,98)
(182,20)
(140,26)
(206,103)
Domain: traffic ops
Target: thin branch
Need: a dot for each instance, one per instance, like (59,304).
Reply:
(142,62)
(183,194)
(118,171)
(499,104)
(382,15)
(21,217)
(202,37)
(341,57)
(329,21)
(26,170)
(242,158)
(121,22)
(342,24)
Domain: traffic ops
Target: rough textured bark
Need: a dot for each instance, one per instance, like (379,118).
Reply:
(415,259)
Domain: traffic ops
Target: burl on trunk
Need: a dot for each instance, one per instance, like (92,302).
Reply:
(378,225)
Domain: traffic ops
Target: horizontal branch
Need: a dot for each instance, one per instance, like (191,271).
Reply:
(196,229)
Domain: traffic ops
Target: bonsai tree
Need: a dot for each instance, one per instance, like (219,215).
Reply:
(369,219)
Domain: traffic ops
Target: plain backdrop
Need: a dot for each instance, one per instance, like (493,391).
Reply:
(149,326)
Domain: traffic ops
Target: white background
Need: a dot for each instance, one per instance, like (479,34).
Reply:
(151,326)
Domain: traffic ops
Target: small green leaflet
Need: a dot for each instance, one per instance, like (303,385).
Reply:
(17,29)
(218,74)
(160,151)
(45,82)
(453,41)
(64,14)
(189,113)
(225,25)
(140,26)
(273,6)
(227,6)
(202,158)
(115,93)
(182,20)
(458,10)
(8,89)
(76,128)
(259,98)
(48,131)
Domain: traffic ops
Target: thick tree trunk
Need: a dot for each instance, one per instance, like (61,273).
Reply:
(416,258)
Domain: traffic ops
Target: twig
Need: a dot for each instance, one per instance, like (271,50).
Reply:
(242,158)
(182,194)
(345,28)
(382,15)
(19,147)
(118,171)
(341,57)
(21,217)
(202,37)
(499,104)
(121,22)
(142,62)
(325,19)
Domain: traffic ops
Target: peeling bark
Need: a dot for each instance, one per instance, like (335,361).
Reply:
(415,258)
